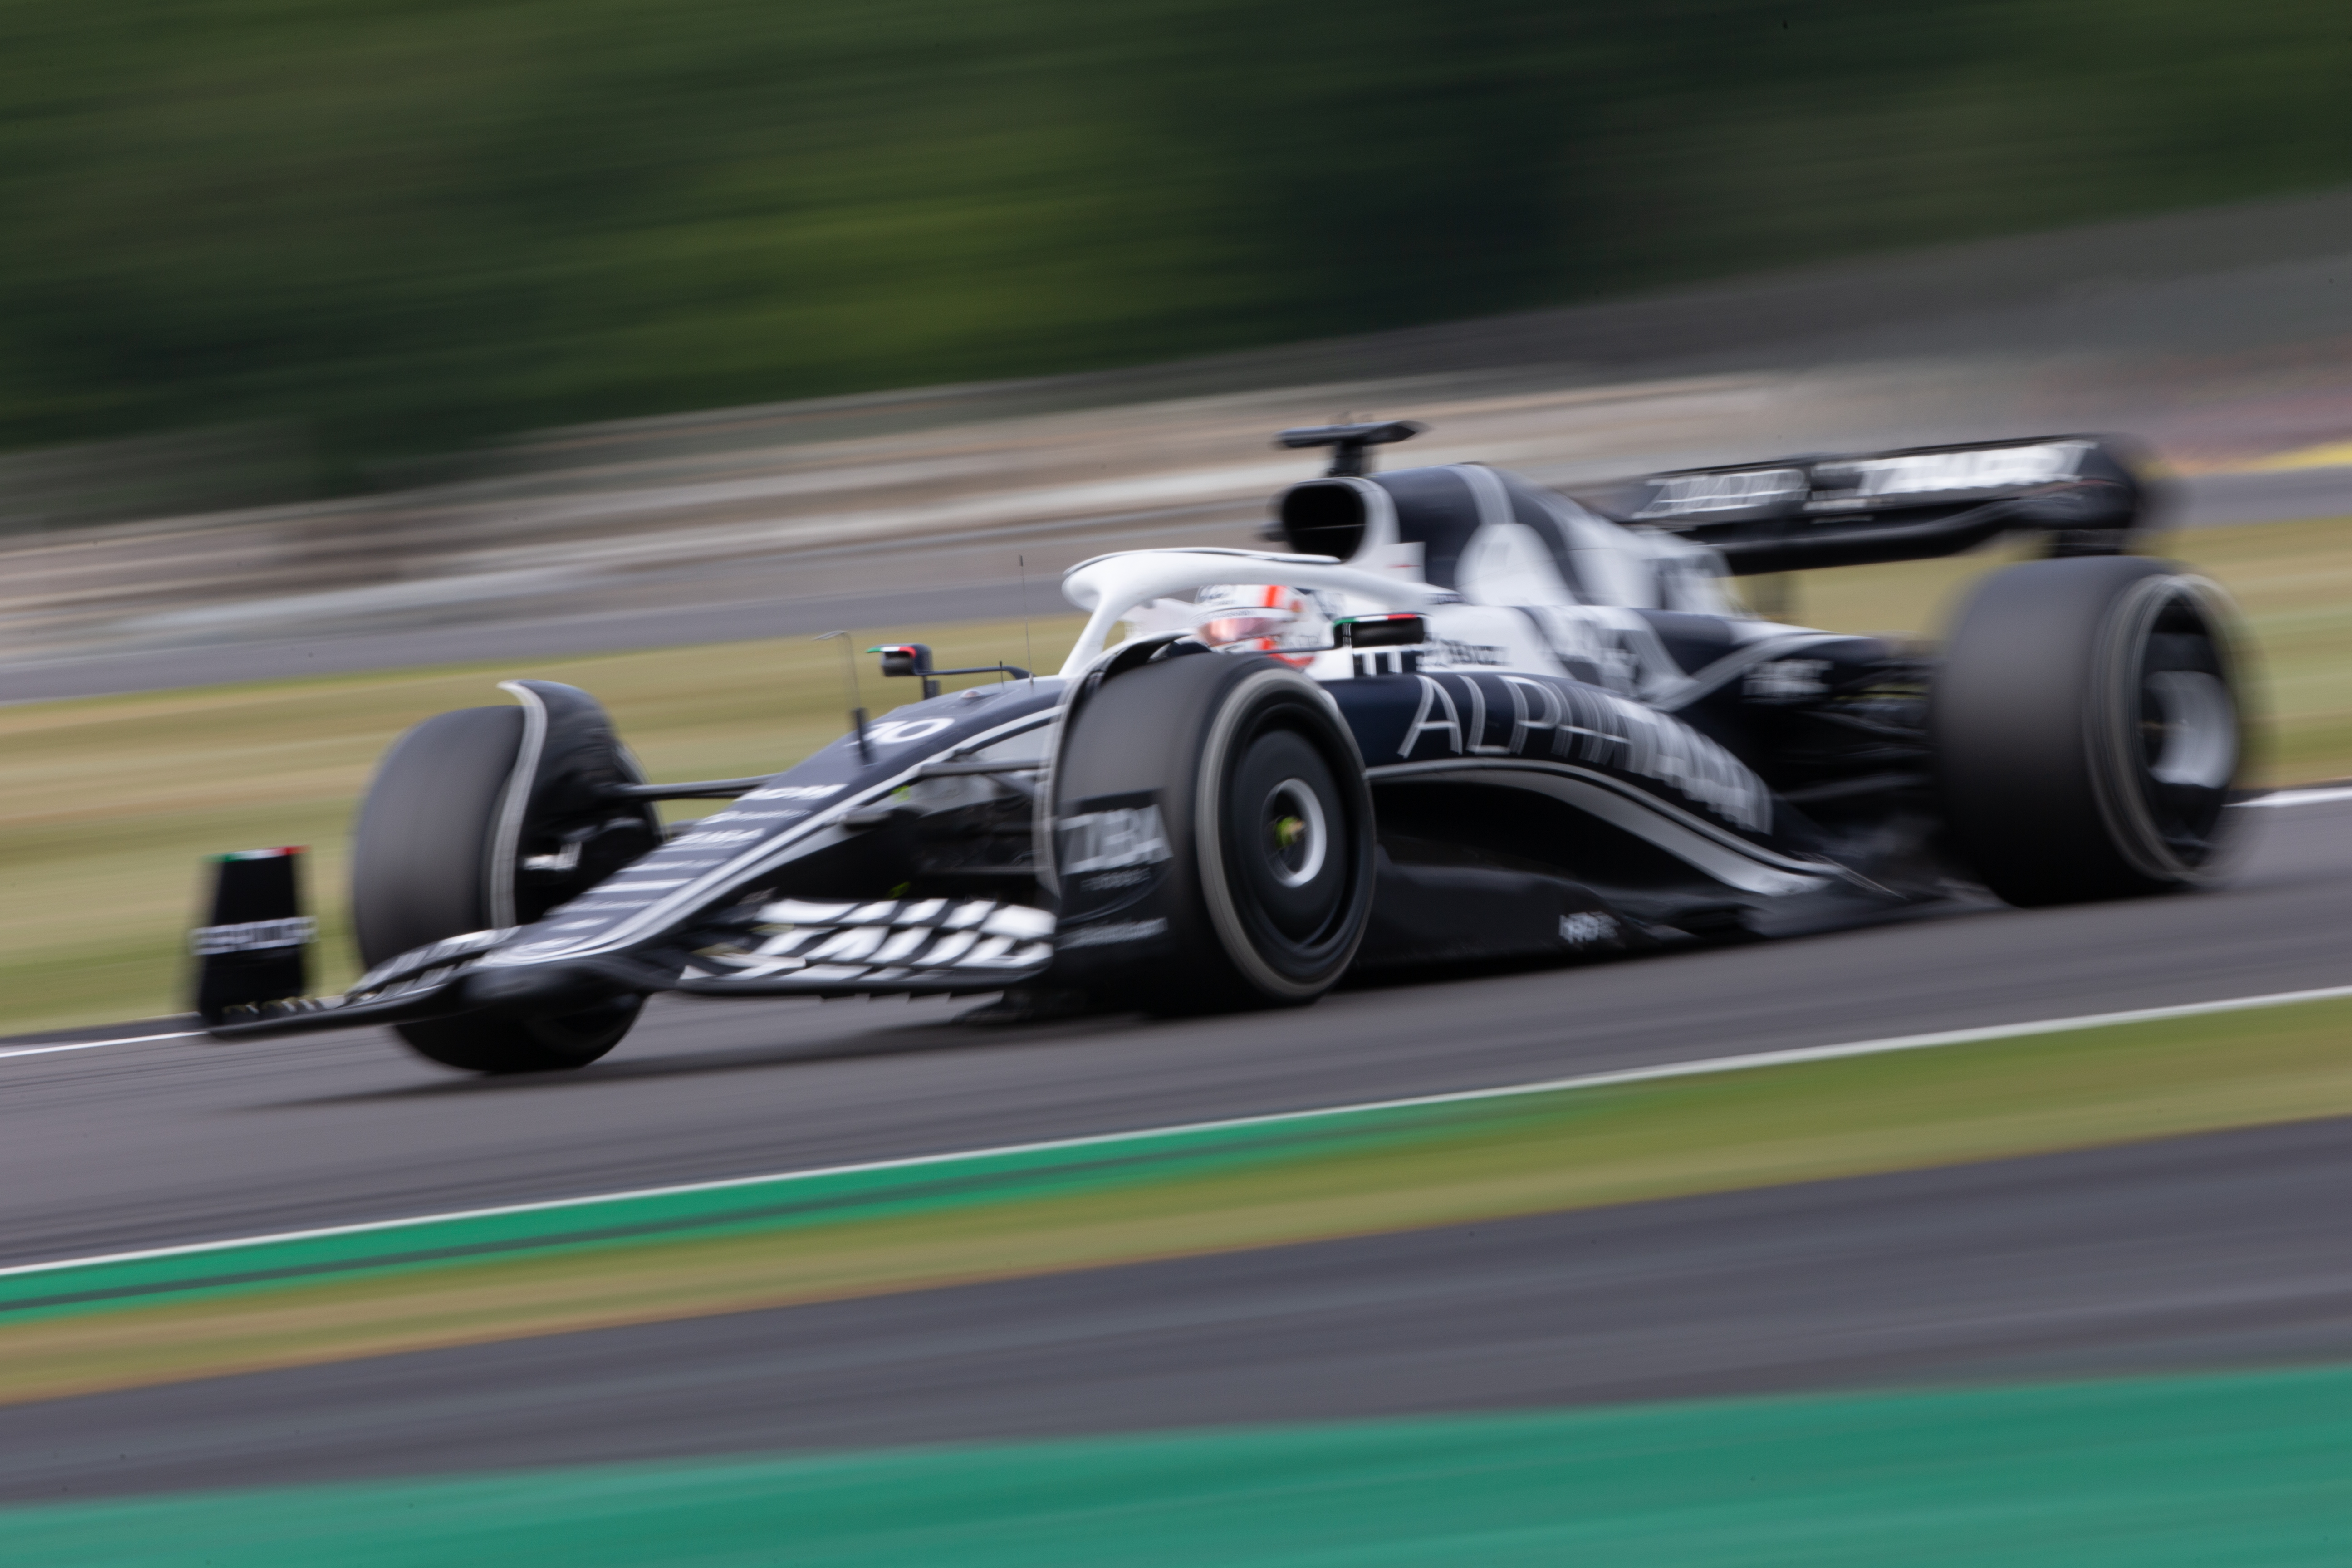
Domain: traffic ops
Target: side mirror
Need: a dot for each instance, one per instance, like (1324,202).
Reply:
(905,658)
(914,659)
(1402,630)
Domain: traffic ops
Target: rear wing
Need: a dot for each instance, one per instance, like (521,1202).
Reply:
(2083,492)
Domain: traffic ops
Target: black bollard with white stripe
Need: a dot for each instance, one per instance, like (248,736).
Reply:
(257,948)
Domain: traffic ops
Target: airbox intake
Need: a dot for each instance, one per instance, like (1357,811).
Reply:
(1323,517)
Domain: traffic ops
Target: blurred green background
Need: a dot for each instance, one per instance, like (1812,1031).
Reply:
(399,226)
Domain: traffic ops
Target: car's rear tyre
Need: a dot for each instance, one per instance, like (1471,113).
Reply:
(421,872)
(2087,730)
(1258,888)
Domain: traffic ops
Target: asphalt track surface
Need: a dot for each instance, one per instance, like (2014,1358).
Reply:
(2199,1251)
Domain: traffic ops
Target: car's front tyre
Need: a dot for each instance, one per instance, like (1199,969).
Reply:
(426,858)
(1240,872)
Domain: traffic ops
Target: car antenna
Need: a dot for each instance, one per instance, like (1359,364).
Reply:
(849,684)
(1028,651)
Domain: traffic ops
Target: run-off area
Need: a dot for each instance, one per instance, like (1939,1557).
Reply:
(2129,1197)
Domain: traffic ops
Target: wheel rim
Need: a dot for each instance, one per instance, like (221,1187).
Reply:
(1283,802)
(1284,823)
(2188,729)
(1296,838)
(2178,738)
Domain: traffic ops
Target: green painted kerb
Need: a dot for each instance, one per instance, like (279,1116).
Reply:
(773,1205)
(2153,1473)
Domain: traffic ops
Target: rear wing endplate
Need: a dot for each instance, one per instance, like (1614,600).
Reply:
(2084,492)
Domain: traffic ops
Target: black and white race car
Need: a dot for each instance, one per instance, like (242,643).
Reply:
(1455,718)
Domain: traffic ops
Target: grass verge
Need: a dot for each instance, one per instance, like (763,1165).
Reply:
(70,1331)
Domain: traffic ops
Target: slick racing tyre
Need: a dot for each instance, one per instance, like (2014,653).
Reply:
(2087,730)
(422,870)
(1213,837)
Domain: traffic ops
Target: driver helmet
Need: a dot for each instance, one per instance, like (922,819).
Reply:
(1262,617)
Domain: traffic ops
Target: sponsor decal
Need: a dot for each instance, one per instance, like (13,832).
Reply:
(1112,931)
(1109,839)
(1581,723)
(898,732)
(1936,473)
(1587,929)
(252,936)
(1860,481)
(1786,680)
(1022,920)
(1470,652)
(719,836)
(1433,696)
(1689,495)
(794,792)
(564,859)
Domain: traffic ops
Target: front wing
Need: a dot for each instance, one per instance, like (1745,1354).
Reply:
(791,947)
(690,916)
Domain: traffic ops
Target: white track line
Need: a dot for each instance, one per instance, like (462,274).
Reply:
(94,1045)
(1702,1066)
(2301,796)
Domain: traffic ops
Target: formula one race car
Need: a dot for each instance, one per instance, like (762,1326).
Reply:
(1457,719)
